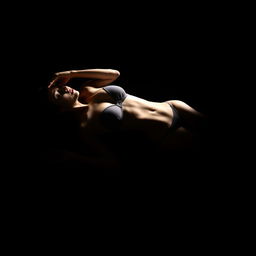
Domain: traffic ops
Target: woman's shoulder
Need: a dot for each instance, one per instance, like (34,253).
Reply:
(89,89)
(87,92)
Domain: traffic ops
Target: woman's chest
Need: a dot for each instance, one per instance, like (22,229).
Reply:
(91,122)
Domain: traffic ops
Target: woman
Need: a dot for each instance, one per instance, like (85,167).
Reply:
(104,112)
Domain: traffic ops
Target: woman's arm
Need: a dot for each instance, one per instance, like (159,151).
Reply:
(96,77)
(103,74)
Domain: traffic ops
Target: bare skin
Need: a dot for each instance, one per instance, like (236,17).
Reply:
(152,118)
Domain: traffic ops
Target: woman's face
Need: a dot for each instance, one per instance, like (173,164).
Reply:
(63,96)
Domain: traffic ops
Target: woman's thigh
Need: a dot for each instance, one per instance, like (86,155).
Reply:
(190,118)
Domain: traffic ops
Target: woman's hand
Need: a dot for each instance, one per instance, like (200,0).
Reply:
(60,79)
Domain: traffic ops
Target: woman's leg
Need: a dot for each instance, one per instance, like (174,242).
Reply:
(190,118)
(186,144)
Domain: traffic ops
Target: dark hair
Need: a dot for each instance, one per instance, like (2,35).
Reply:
(50,118)
(43,100)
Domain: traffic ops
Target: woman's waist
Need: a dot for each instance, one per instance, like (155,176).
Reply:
(148,118)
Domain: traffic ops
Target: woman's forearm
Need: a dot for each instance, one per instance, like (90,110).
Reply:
(105,74)
(97,77)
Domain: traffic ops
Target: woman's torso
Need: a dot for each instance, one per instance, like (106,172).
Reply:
(150,118)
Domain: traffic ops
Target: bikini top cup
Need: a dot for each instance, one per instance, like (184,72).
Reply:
(112,115)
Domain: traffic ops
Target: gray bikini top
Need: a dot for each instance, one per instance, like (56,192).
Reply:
(112,115)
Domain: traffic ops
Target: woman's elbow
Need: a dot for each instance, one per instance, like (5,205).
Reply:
(115,73)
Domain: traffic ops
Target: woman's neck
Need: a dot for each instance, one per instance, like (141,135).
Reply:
(78,104)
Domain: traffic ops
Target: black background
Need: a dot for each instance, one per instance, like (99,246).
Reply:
(163,52)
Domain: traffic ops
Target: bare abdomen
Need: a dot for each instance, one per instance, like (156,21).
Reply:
(152,118)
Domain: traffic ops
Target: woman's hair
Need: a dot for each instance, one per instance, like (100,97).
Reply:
(43,100)
(50,120)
